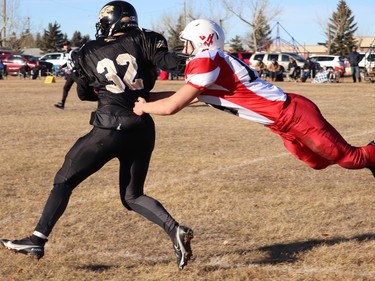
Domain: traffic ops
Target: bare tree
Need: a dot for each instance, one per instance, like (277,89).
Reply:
(172,25)
(217,13)
(10,23)
(249,14)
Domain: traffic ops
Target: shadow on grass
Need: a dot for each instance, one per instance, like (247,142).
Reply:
(96,267)
(99,268)
(287,253)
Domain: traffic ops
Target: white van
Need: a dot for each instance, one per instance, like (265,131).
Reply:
(56,59)
(367,62)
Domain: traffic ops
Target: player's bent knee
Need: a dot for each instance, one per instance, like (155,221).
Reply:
(125,203)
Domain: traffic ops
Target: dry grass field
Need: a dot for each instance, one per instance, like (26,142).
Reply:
(257,212)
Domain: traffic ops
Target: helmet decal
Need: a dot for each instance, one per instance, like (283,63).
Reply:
(207,42)
(203,35)
(127,19)
(106,11)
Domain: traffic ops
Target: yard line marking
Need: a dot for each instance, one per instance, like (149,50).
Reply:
(206,172)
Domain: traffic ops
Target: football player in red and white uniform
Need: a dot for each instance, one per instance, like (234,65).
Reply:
(214,77)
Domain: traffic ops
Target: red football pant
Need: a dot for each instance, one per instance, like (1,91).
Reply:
(310,138)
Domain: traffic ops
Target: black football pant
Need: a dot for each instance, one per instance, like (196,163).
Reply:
(67,86)
(133,148)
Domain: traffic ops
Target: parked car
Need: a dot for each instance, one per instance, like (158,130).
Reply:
(5,52)
(281,57)
(15,62)
(367,62)
(244,56)
(57,59)
(335,63)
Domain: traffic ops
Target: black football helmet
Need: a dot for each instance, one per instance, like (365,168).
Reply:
(116,16)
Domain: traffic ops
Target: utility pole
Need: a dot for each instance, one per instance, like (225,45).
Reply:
(3,29)
(27,31)
(184,13)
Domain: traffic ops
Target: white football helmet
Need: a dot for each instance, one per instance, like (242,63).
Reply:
(203,35)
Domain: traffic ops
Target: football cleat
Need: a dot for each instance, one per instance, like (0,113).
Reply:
(181,245)
(372,168)
(24,246)
(59,105)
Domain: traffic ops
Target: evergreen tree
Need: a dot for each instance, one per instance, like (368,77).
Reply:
(340,30)
(261,36)
(78,40)
(85,39)
(65,38)
(235,44)
(52,39)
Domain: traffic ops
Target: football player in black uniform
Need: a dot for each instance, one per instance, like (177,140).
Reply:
(115,69)
(69,78)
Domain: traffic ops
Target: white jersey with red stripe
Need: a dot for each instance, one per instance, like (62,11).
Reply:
(231,85)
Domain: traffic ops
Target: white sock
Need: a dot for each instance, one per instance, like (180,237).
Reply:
(40,235)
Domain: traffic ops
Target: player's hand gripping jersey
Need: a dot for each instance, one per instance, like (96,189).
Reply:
(231,85)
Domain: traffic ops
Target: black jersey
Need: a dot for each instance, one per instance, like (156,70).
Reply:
(120,69)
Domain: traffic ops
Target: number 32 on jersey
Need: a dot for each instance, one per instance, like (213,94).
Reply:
(119,84)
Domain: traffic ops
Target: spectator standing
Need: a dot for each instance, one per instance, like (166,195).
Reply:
(69,79)
(354,58)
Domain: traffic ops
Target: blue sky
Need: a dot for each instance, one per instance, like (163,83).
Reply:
(300,19)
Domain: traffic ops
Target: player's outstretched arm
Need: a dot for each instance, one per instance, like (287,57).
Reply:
(170,105)
(154,96)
